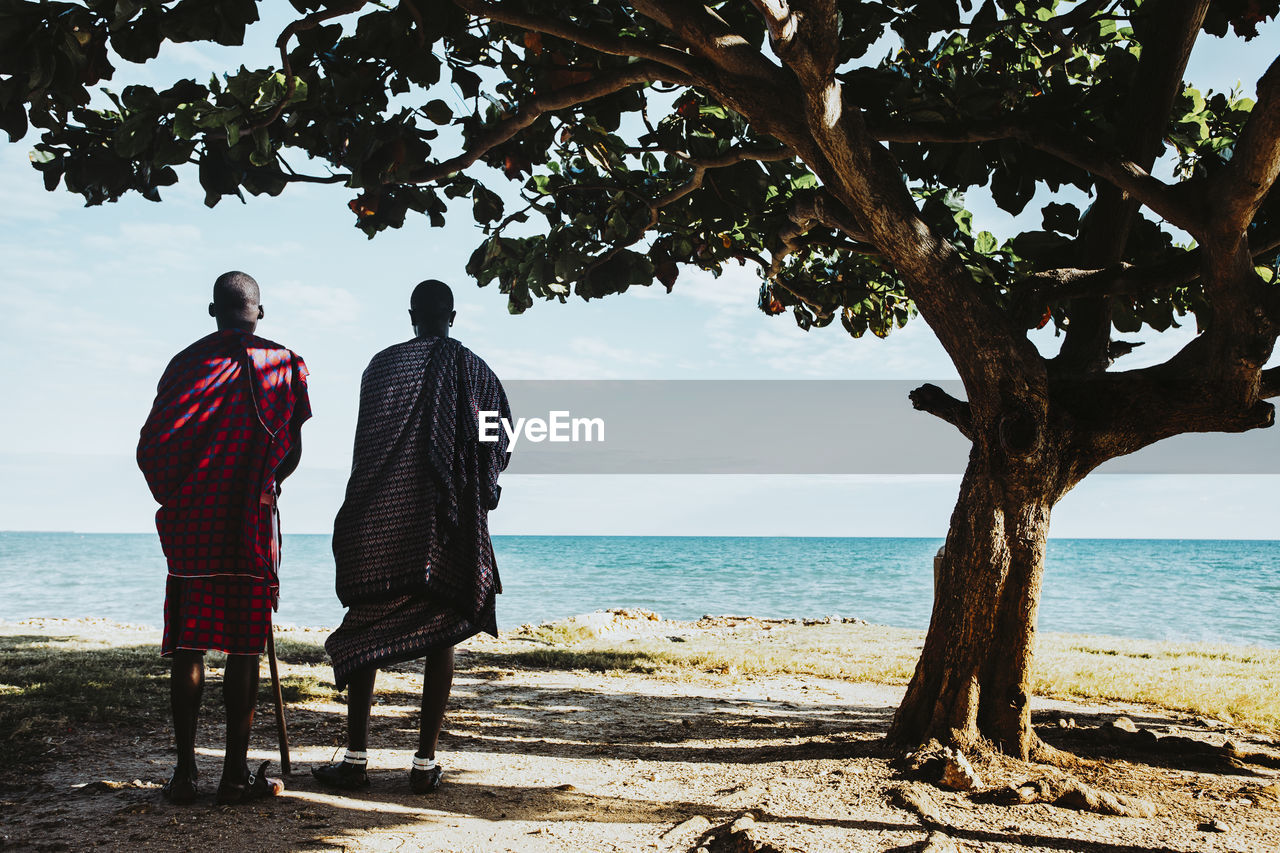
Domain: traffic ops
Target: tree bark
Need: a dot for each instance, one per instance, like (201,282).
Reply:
(971,684)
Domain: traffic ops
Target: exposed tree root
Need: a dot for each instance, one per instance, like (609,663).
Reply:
(946,767)
(937,842)
(737,836)
(1173,750)
(917,800)
(1069,793)
(1044,753)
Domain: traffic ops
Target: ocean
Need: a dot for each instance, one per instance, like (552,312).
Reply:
(1193,590)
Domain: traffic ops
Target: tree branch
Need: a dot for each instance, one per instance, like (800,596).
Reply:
(295,178)
(780,20)
(744,79)
(600,42)
(1270,384)
(862,175)
(655,209)
(708,35)
(531,110)
(1122,279)
(1167,31)
(700,169)
(803,218)
(282,44)
(807,213)
(1255,164)
(728,158)
(1070,147)
(802,35)
(827,210)
(932,399)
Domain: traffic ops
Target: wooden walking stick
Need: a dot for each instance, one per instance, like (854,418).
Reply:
(281,729)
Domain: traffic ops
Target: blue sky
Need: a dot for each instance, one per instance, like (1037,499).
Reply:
(94,301)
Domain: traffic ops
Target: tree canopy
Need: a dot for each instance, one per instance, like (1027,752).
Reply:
(618,123)
(827,143)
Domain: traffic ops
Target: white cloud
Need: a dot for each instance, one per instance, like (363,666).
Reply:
(603,351)
(511,363)
(315,305)
(275,250)
(23,198)
(184,53)
(160,235)
(735,288)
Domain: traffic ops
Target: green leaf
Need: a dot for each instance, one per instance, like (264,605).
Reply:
(438,111)
(1063,218)
(486,205)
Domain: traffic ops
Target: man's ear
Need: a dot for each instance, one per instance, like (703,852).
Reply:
(213,310)
(452,316)
(412,319)
(261,312)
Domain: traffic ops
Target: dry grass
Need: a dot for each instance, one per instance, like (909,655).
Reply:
(56,681)
(52,685)
(1213,680)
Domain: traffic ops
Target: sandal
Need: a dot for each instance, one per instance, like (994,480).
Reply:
(256,787)
(342,775)
(181,789)
(425,781)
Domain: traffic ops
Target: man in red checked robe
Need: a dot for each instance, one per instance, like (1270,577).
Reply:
(224,431)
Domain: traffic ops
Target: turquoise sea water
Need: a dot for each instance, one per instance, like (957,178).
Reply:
(1224,591)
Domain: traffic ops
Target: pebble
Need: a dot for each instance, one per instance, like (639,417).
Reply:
(1214,825)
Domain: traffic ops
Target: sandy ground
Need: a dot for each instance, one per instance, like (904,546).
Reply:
(548,760)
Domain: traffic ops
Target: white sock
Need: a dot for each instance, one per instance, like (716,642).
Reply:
(357,757)
(423,763)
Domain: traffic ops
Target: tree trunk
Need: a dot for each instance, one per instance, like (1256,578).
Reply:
(970,686)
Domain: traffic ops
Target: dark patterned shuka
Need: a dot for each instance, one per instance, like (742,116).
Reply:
(415,564)
(217,432)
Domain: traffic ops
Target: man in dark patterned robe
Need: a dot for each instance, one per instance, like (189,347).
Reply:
(415,565)
(224,431)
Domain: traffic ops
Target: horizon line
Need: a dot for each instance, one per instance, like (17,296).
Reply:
(707,536)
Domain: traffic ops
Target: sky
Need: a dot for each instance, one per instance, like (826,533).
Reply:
(94,301)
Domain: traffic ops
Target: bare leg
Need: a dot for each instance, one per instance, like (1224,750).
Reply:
(359,705)
(186,687)
(350,773)
(240,695)
(437,681)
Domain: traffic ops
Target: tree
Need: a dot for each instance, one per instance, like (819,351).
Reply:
(828,143)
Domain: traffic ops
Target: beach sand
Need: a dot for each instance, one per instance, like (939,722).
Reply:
(580,737)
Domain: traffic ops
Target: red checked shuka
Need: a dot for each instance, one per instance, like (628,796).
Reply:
(218,430)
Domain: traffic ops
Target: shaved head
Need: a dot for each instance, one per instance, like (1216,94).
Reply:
(237,302)
(431,309)
(432,300)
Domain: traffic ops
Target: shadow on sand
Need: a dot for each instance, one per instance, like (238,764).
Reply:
(86,741)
